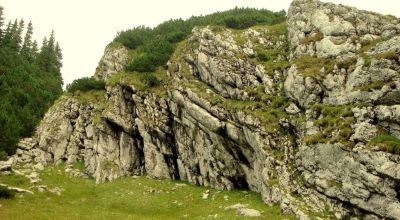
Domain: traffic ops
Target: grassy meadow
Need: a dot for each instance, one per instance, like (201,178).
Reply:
(125,198)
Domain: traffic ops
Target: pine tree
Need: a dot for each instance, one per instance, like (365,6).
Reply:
(30,80)
(58,54)
(7,36)
(18,34)
(12,36)
(33,52)
(34,48)
(27,45)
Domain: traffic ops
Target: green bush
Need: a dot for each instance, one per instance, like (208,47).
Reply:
(86,84)
(263,56)
(3,155)
(6,193)
(154,55)
(156,45)
(150,79)
(143,63)
(135,37)
(239,22)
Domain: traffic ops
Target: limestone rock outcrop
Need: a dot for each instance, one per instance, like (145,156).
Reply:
(113,60)
(330,30)
(308,129)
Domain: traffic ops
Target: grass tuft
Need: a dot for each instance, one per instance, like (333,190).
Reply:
(387,143)
(334,123)
(310,66)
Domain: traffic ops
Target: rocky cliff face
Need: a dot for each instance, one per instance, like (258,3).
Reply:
(302,128)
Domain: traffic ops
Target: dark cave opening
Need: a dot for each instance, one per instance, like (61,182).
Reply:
(239,182)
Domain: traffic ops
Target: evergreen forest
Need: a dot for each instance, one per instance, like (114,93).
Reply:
(30,80)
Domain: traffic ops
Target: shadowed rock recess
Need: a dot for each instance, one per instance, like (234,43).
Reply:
(305,127)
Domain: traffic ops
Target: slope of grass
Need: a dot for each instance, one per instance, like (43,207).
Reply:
(125,198)
(334,123)
(387,143)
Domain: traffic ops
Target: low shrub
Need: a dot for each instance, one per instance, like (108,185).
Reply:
(263,56)
(157,44)
(3,155)
(153,56)
(86,84)
(143,63)
(150,79)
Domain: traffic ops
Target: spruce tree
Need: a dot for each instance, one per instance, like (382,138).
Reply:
(27,45)
(18,34)
(30,80)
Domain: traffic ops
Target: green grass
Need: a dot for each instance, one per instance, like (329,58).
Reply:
(140,81)
(334,123)
(80,165)
(310,66)
(366,47)
(277,29)
(387,143)
(376,85)
(92,96)
(388,55)
(272,65)
(125,198)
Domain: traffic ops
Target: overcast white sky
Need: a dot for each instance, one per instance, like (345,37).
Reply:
(85,27)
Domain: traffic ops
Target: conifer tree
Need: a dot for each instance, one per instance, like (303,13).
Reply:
(7,36)
(30,80)
(18,34)
(27,45)
(14,33)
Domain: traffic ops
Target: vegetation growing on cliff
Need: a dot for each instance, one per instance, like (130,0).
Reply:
(335,123)
(86,84)
(156,45)
(30,80)
(386,142)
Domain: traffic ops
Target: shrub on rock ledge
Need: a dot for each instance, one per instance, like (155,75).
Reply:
(86,84)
